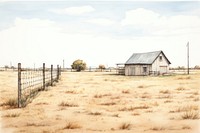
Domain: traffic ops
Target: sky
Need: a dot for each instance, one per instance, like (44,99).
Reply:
(97,32)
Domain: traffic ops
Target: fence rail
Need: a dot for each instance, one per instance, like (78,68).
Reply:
(31,81)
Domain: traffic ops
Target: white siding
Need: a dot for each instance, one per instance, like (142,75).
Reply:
(160,66)
(137,70)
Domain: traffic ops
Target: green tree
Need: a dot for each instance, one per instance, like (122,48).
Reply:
(78,65)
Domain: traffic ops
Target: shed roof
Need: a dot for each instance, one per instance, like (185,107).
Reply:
(145,58)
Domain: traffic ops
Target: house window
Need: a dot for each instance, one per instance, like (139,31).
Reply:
(160,57)
(144,69)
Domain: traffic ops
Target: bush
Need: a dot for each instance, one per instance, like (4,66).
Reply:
(78,65)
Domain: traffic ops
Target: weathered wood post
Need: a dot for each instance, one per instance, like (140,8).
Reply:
(51,75)
(188,66)
(19,86)
(43,76)
(60,71)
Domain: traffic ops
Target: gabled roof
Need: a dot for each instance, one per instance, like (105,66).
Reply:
(145,58)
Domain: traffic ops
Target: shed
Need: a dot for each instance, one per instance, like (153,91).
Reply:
(147,63)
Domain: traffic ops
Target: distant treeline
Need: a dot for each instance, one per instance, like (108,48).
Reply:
(184,68)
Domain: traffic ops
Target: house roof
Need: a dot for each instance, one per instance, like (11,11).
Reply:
(145,58)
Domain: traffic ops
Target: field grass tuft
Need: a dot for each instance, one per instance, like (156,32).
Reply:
(125,91)
(184,77)
(180,88)
(71,92)
(141,86)
(125,126)
(101,95)
(131,108)
(108,103)
(165,91)
(11,102)
(157,128)
(72,125)
(190,115)
(12,115)
(66,104)
(186,127)
(36,124)
(95,113)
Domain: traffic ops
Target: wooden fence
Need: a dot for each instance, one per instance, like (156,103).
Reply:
(31,81)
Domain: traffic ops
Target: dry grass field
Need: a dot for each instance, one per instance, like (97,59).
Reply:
(103,102)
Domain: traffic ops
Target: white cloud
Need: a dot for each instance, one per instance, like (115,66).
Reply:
(101,21)
(74,10)
(140,17)
(158,24)
(26,24)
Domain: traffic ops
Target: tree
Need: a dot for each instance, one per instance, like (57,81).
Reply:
(197,67)
(78,65)
(181,68)
(102,67)
(6,67)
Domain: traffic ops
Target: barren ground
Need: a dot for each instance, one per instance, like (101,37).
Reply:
(104,102)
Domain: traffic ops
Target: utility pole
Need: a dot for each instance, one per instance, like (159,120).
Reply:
(188,66)
(63,65)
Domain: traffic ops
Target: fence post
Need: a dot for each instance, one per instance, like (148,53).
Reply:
(51,75)
(43,76)
(19,86)
(60,71)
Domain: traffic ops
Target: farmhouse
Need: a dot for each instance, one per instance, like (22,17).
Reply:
(147,63)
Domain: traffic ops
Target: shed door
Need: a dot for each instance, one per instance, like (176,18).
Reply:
(132,70)
(163,69)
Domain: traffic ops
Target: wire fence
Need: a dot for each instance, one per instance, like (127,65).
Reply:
(31,81)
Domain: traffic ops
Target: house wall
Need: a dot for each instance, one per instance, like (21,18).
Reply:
(160,66)
(137,69)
